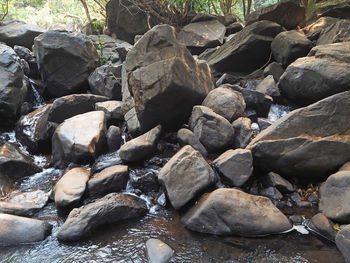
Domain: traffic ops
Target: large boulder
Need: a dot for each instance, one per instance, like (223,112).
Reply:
(248,50)
(334,33)
(309,142)
(326,71)
(342,240)
(233,212)
(16,32)
(12,88)
(339,10)
(288,14)
(164,79)
(65,61)
(110,209)
(79,139)
(185,175)
(15,230)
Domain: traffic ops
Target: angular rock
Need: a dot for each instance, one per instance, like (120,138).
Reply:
(345,167)
(80,139)
(264,123)
(275,180)
(313,30)
(243,132)
(272,193)
(233,212)
(113,109)
(335,33)
(28,56)
(114,137)
(234,28)
(269,87)
(185,175)
(146,182)
(275,69)
(141,147)
(343,242)
(187,137)
(158,251)
(339,10)
(110,209)
(322,226)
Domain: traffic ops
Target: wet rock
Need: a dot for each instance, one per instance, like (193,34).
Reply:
(114,109)
(296,219)
(164,76)
(24,204)
(335,33)
(269,87)
(248,50)
(233,212)
(114,137)
(264,123)
(15,230)
(79,139)
(275,180)
(185,175)
(213,131)
(111,179)
(272,193)
(70,188)
(343,242)
(65,61)
(103,162)
(187,137)
(226,102)
(236,166)
(141,147)
(16,32)
(243,132)
(110,209)
(322,226)
(275,69)
(158,251)
(28,56)
(146,182)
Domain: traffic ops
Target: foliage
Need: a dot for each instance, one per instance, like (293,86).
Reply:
(4,5)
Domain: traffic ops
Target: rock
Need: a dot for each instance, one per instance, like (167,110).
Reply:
(323,73)
(275,180)
(16,32)
(158,251)
(213,131)
(233,28)
(269,87)
(248,50)
(15,230)
(345,167)
(236,166)
(264,123)
(343,242)
(70,188)
(69,106)
(339,10)
(141,147)
(114,137)
(243,132)
(132,122)
(187,137)
(80,139)
(14,164)
(106,81)
(289,46)
(24,204)
(112,208)
(226,102)
(322,226)
(335,33)
(275,69)
(113,109)
(272,193)
(28,56)
(233,212)
(313,30)
(309,142)
(104,162)
(156,73)
(65,61)
(111,179)
(288,14)
(12,88)
(185,175)
(5,185)
(146,182)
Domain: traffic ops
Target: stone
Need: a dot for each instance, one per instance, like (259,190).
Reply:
(164,76)
(313,30)
(141,147)
(114,138)
(158,251)
(233,212)
(272,193)
(322,226)
(338,10)
(15,230)
(243,132)
(112,208)
(335,33)
(264,123)
(105,161)
(342,240)
(275,69)
(187,137)
(79,139)
(146,182)
(269,87)
(235,166)
(28,56)
(345,167)
(185,175)
(275,180)
(234,28)
(113,109)
(70,188)
(226,102)
(111,179)
(65,60)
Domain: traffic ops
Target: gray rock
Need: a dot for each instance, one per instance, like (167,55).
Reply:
(114,109)
(322,226)
(141,147)
(5,185)
(314,29)
(114,137)
(343,242)
(112,208)
(234,28)
(275,69)
(264,123)
(336,32)
(187,137)
(272,193)
(111,179)
(243,132)
(233,212)
(275,180)
(132,121)
(185,175)
(338,10)
(158,251)
(269,87)
(28,56)
(213,131)
(345,167)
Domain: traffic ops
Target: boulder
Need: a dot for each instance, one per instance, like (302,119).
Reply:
(114,138)
(16,32)
(185,175)
(65,60)
(70,188)
(248,50)
(110,209)
(28,56)
(111,179)
(233,212)
(269,87)
(113,109)
(288,14)
(343,242)
(338,10)
(345,167)
(141,147)
(158,251)
(235,166)
(187,137)
(243,132)
(275,180)
(313,30)
(309,142)
(234,28)
(264,123)
(322,226)
(275,69)
(272,193)
(80,139)
(15,230)
(226,102)
(146,181)
(336,32)
(163,76)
